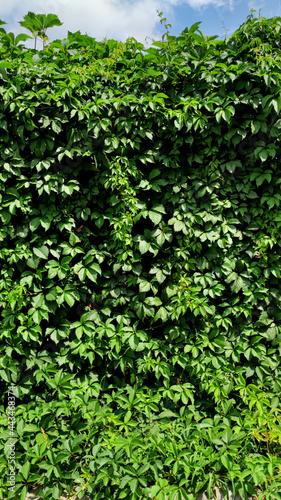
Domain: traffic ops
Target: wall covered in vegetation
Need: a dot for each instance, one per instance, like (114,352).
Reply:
(140,264)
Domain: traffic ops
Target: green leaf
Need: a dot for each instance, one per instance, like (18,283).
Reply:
(96,267)
(167,414)
(144,246)
(237,285)
(127,417)
(37,317)
(226,462)
(22,37)
(133,342)
(5,64)
(154,173)
(144,286)
(31,428)
(159,208)
(41,252)
(50,20)
(275,402)
(5,375)
(155,217)
(160,239)
(33,262)
(91,274)
(227,436)
(231,166)
(263,155)
(160,276)
(153,301)
(73,239)
(56,126)
(25,470)
(162,313)
(38,300)
(82,274)
(99,222)
(134,485)
(24,491)
(69,299)
(5,216)
(271,332)
(179,225)
(262,178)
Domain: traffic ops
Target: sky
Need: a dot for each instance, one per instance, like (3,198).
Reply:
(120,19)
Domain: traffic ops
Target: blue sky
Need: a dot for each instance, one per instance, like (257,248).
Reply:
(120,19)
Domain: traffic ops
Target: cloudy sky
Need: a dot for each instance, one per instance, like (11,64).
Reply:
(120,19)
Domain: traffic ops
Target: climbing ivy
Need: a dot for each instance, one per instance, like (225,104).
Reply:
(140,263)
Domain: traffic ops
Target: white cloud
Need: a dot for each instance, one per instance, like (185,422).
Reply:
(113,18)
(118,19)
(196,4)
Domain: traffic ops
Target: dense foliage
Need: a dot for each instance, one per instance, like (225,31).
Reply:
(140,263)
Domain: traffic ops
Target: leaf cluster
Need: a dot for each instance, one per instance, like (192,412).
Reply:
(140,264)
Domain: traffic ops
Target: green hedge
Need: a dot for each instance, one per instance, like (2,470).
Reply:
(140,264)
